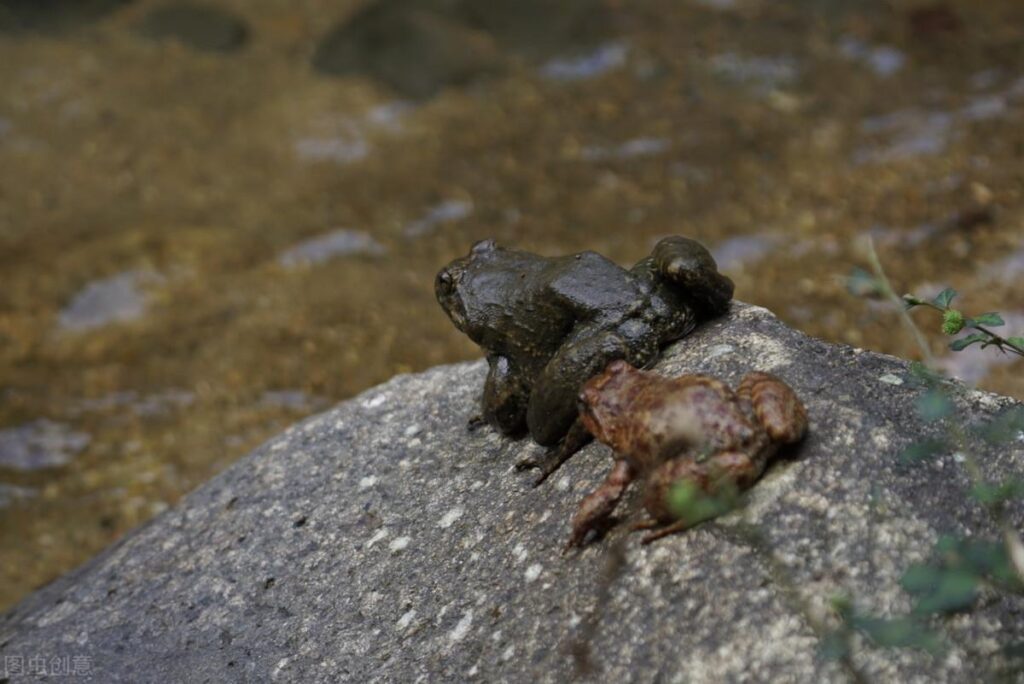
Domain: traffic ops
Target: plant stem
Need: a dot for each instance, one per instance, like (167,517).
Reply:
(876,266)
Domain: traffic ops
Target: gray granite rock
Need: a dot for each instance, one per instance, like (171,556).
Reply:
(382,541)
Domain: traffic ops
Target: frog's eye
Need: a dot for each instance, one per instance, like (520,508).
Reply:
(482,246)
(445,282)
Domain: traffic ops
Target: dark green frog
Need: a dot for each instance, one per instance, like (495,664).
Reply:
(548,324)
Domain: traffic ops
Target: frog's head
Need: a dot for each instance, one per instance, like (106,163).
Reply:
(605,403)
(455,289)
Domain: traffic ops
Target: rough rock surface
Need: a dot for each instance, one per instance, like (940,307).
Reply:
(382,541)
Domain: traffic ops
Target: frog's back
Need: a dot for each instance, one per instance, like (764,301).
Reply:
(588,282)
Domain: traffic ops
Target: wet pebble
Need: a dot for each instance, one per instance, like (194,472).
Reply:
(40,444)
(636,147)
(444,212)
(884,60)
(11,493)
(322,248)
(605,58)
(199,26)
(739,251)
(115,299)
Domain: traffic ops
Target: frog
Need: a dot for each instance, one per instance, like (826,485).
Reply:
(548,324)
(692,430)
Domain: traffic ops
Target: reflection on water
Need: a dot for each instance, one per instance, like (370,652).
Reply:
(211,227)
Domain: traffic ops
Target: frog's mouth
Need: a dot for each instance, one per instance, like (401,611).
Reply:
(445,287)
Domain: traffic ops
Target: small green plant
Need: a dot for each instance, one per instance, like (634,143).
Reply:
(961,565)
(954,321)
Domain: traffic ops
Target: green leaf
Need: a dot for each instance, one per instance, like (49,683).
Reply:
(835,645)
(943,299)
(689,502)
(991,319)
(990,493)
(920,578)
(901,632)
(1014,650)
(934,405)
(988,559)
(923,375)
(950,582)
(949,590)
(1006,427)
(910,301)
(1016,341)
(918,451)
(965,342)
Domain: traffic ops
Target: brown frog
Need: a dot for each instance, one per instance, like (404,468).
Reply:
(669,431)
(547,324)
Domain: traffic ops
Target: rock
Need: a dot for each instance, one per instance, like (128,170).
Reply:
(416,50)
(383,541)
(53,16)
(199,26)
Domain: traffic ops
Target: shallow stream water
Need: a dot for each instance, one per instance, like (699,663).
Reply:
(214,224)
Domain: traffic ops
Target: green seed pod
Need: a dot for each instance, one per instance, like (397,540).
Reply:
(952,322)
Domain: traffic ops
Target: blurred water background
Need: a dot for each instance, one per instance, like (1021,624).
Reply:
(217,218)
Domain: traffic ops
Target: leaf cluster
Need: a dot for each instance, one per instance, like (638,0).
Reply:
(954,321)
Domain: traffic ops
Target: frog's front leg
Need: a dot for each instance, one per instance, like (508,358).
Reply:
(552,414)
(553,406)
(597,507)
(505,397)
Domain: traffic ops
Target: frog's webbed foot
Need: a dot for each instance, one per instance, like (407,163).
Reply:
(688,264)
(661,530)
(596,508)
(553,458)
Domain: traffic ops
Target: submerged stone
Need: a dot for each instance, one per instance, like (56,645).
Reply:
(53,16)
(412,49)
(540,28)
(199,26)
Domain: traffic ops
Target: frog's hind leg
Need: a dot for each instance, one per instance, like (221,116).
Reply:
(553,458)
(776,406)
(597,507)
(689,265)
(552,411)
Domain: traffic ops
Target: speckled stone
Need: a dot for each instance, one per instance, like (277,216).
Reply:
(382,541)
